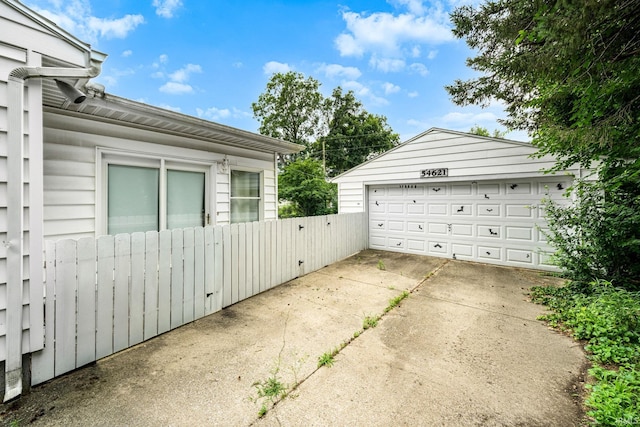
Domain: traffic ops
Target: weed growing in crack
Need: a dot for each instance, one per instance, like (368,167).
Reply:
(381,265)
(326,359)
(393,302)
(370,322)
(270,391)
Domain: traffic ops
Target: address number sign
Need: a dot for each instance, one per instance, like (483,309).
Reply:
(433,173)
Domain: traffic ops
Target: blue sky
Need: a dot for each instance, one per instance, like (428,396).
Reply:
(212,59)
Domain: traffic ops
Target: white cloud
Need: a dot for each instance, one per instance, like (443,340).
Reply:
(170,107)
(432,54)
(215,114)
(390,88)
(273,67)
(415,6)
(237,64)
(364,92)
(166,8)
(183,74)
(457,118)
(413,94)
(127,53)
(387,65)
(158,75)
(339,71)
(175,88)
(419,68)
(76,17)
(386,33)
(115,28)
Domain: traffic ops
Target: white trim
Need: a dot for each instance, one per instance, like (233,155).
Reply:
(261,198)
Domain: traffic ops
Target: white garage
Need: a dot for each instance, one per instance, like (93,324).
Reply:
(456,195)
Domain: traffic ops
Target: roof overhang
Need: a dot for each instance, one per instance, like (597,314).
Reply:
(109,108)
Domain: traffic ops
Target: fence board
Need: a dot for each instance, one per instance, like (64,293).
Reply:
(177,284)
(42,362)
(199,294)
(164,281)
(235,260)
(86,323)
(121,292)
(226,255)
(151,285)
(65,317)
(248,260)
(209,270)
(262,251)
(136,304)
(255,271)
(188,276)
(104,318)
(218,277)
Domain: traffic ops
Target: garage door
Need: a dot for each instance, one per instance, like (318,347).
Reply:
(498,222)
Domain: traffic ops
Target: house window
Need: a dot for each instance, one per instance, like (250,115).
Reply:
(153,194)
(245,196)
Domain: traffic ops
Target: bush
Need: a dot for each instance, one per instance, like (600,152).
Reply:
(598,236)
(608,318)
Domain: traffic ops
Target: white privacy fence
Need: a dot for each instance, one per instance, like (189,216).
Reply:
(107,294)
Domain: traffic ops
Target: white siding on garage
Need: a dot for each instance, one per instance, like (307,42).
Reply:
(465,156)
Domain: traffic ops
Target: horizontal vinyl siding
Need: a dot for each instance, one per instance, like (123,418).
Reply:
(350,197)
(270,198)
(69,191)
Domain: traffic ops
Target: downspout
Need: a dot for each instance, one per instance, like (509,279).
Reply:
(15,211)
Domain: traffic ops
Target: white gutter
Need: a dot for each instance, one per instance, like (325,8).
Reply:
(15,211)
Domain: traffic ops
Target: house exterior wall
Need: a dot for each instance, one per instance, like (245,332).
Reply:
(467,157)
(73,192)
(23,43)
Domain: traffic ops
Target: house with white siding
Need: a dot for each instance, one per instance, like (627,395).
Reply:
(457,195)
(103,166)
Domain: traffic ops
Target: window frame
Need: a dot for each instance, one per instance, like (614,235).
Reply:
(261,189)
(163,163)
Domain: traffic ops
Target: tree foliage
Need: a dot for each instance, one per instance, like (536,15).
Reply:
(302,183)
(479,130)
(354,135)
(568,73)
(290,108)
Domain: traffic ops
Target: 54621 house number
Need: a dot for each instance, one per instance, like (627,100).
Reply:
(432,173)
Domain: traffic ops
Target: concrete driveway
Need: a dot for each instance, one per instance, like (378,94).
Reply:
(464,349)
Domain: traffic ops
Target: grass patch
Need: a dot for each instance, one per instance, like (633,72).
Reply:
(381,265)
(608,319)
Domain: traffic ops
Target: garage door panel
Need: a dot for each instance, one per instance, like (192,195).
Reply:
(395,192)
(438,247)
(395,208)
(489,209)
(520,256)
(376,207)
(437,191)
(488,189)
(461,189)
(519,188)
(488,230)
(378,242)
(519,211)
(461,230)
(416,227)
(377,225)
(416,245)
(438,228)
(417,190)
(461,209)
(554,188)
(396,243)
(395,226)
(489,252)
(462,250)
(438,209)
(417,208)
(520,233)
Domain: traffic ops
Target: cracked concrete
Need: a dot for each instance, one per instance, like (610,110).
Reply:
(464,349)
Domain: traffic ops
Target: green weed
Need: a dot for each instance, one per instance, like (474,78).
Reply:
(370,322)
(395,301)
(326,359)
(381,265)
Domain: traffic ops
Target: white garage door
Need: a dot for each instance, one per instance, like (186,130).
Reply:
(497,222)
